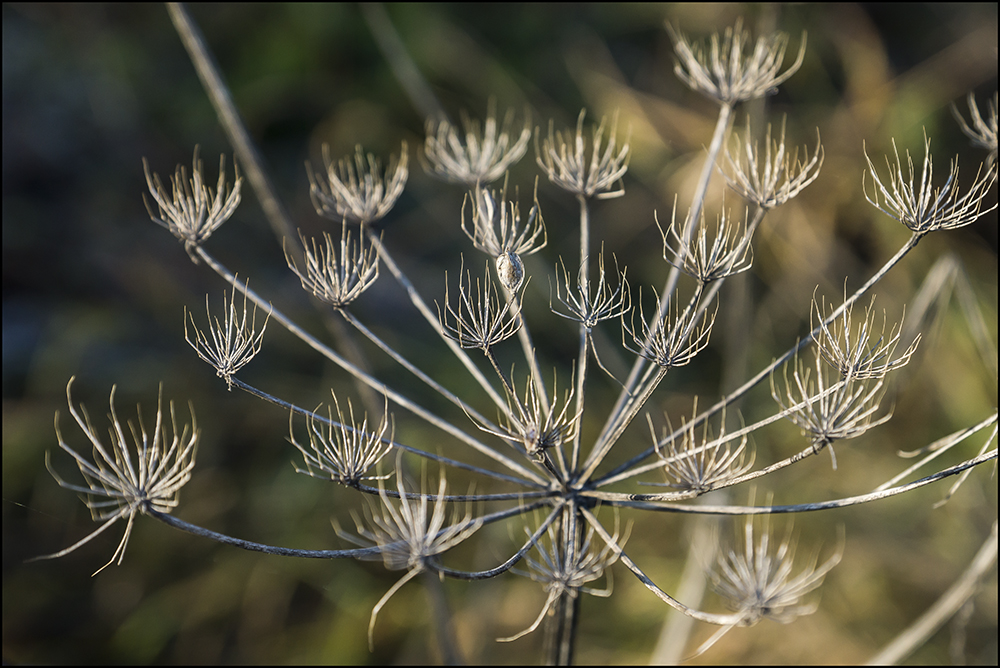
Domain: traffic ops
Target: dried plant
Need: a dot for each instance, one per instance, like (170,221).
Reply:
(829,409)
(119,486)
(358,191)
(409,534)
(563,157)
(852,351)
(757,580)
(545,454)
(234,341)
(918,204)
(726,72)
(334,276)
(699,465)
(192,211)
(774,177)
(982,131)
(481,156)
(343,451)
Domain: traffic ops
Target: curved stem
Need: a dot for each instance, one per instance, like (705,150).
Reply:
(721,620)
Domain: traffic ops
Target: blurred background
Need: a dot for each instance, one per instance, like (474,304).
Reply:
(93,289)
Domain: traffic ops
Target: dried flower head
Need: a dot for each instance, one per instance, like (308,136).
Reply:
(696,463)
(358,191)
(590,306)
(535,427)
(480,320)
(192,211)
(118,486)
(568,574)
(336,277)
(775,177)
(672,340)
(729,253)
(496,229)
(920,206)
(409,533)
(756,580)
(857,353)
(726,72)
(563,156)
(482,156)
(495,226)
(340,449)
(826,409)
(234,340)
(983,131)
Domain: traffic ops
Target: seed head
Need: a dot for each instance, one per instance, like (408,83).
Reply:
(118,486)
(725,72)
(482,156)
(234,341)
(563,157)
(337,277)
(358,191)
(193,211)
(920,206)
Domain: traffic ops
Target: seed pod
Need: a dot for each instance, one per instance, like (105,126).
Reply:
(510,270)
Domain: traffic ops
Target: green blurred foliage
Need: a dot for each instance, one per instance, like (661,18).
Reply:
(93,289)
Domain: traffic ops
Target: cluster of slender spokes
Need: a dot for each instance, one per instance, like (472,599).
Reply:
(123,481)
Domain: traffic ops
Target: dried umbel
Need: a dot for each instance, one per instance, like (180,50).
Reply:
(861,353)
(775,176)
(916,203)
(123,482)
(336,274)
(481,155)
(726,71)
(410,532)
(563,157)
(497,229)
(982,131)
(569,575)
(358,191)
(341,449)
(592,301)
(829,409)
(728,254)
(758,580)
(479,320)
(192,211)
(234,340)
(696,463)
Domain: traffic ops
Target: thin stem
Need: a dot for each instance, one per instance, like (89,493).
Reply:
(617,500)
(584,285)
(964,588)
(372,382)
(697,202)
(229,117)
(409,366)
(432,319)
(766,371)
(399,446)
(721,620)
